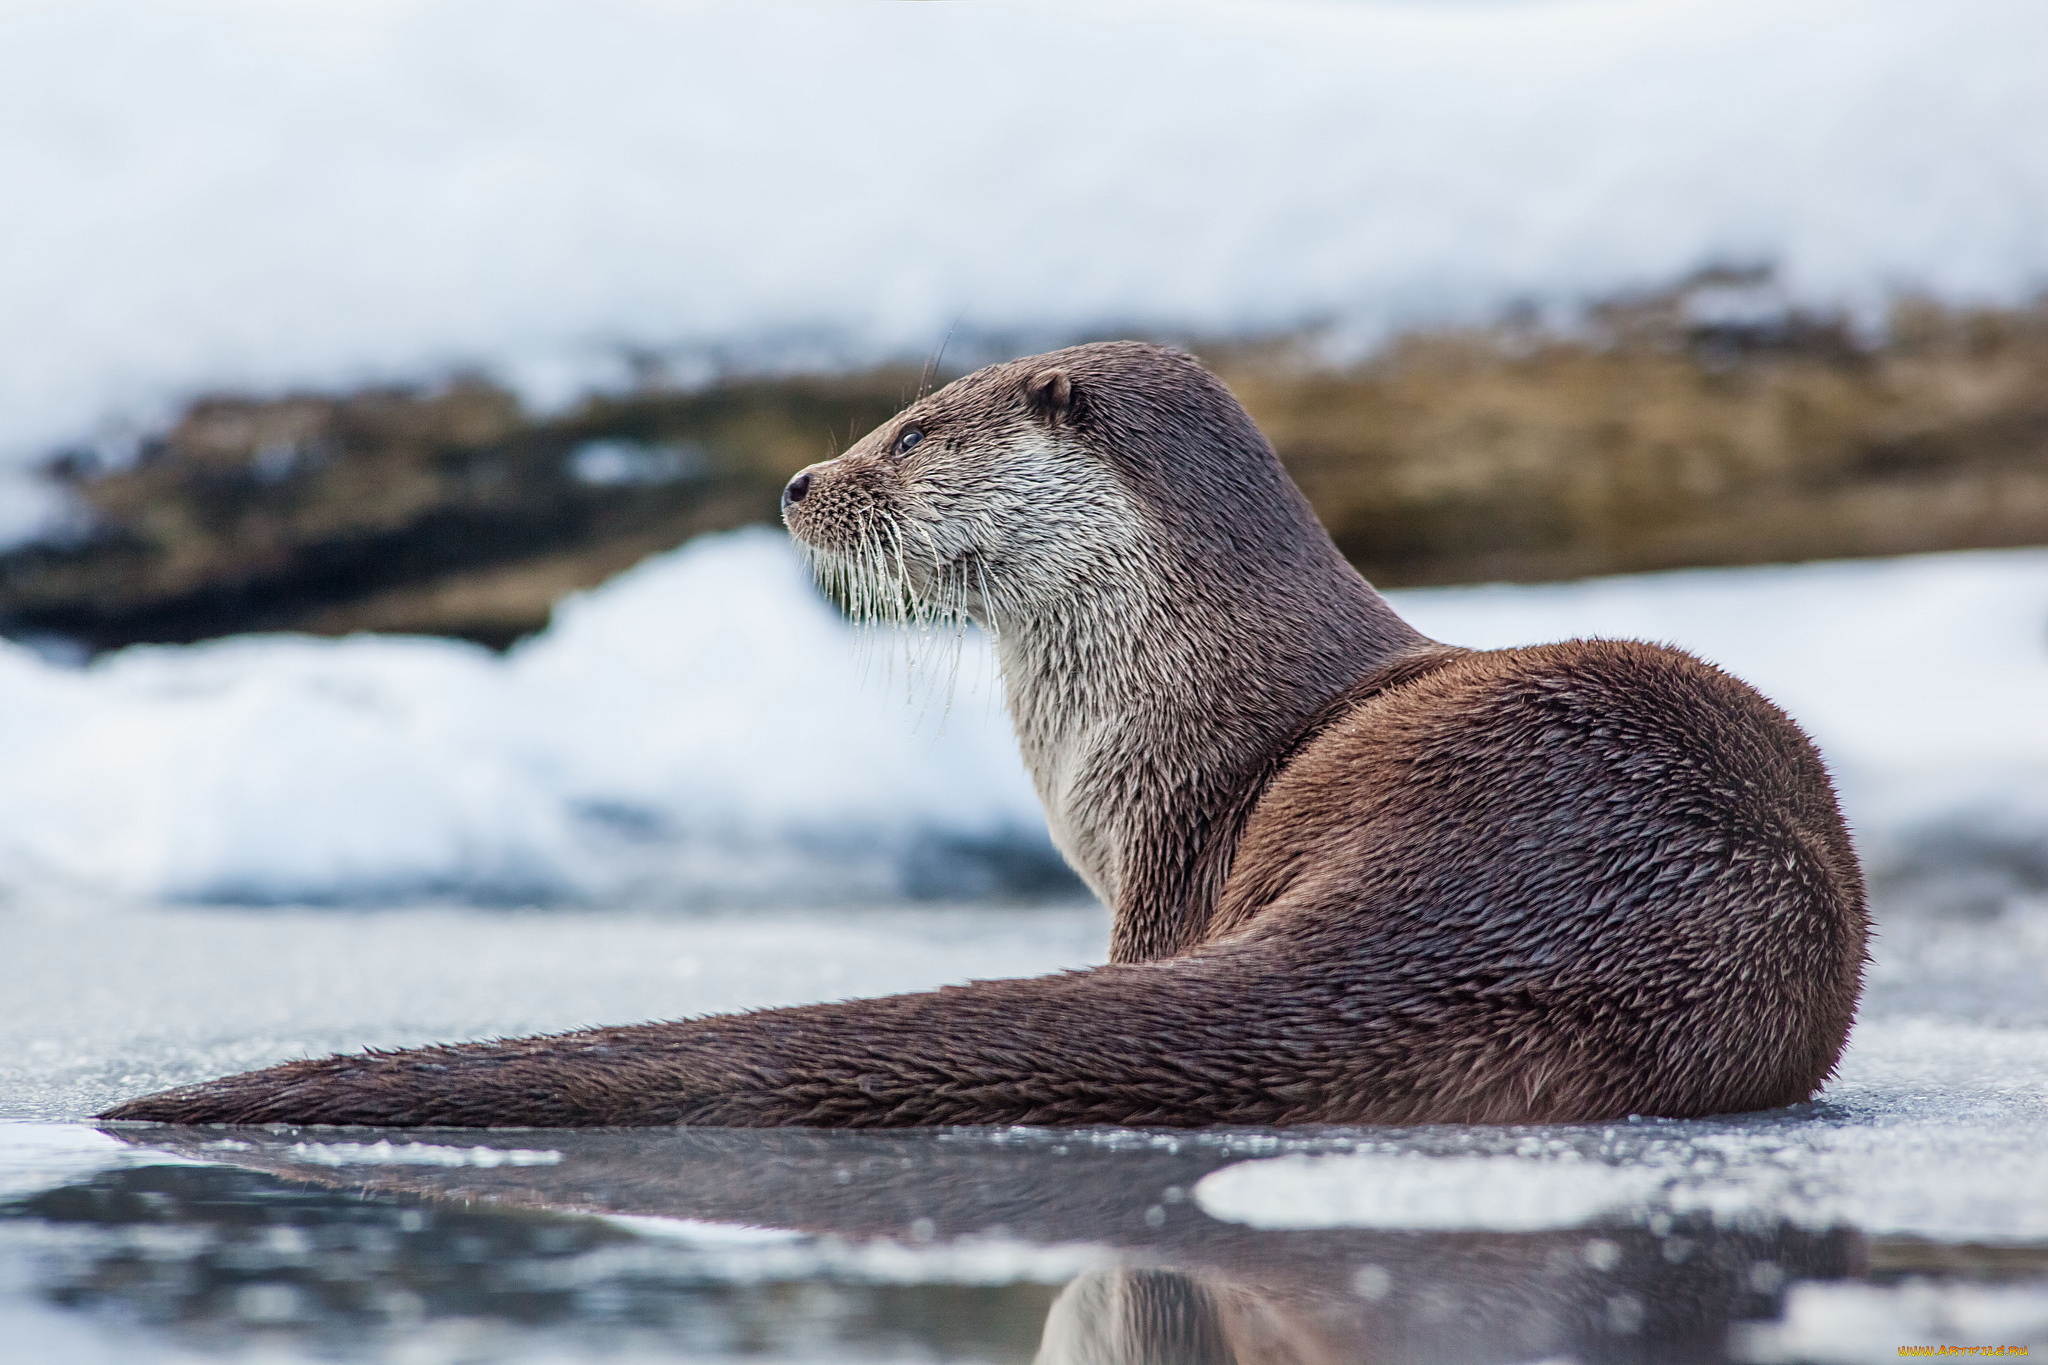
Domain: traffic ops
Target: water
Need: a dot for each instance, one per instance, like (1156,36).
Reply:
(1909,1205)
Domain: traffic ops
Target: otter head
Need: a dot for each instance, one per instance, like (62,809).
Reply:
(989,499)
(1039,486)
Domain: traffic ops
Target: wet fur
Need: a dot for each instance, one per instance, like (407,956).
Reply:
(1357,876)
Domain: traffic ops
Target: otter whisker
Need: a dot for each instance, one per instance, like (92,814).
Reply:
(941,616)
(926,612)
(931,369)
(875,588)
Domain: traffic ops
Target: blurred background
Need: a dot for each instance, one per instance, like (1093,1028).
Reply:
(364,365)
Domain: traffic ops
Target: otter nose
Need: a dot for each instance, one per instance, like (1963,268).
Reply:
(798,486)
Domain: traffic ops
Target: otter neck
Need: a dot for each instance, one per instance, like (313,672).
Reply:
(1145,705)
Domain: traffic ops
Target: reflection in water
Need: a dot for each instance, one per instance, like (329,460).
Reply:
(1169,1317)
(217,1258)
(941,1245)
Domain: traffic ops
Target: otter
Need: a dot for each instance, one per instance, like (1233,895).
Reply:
(1357,876)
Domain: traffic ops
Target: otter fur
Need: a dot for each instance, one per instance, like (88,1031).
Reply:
(1357,876)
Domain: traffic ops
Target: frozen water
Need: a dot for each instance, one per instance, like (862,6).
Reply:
(1908,1205)
(1931,1130)
(99,999)
(105,1000)
(215,192)
(704,728)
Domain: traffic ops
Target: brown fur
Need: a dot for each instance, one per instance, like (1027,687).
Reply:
(1357,877)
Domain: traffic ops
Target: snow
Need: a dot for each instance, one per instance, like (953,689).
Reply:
(1410,1190)
(388,1153)
(705,729)
(1850,1323)
(227,193)
(42,1156)
(702,727)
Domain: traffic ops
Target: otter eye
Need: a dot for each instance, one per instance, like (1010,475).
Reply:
(907,440)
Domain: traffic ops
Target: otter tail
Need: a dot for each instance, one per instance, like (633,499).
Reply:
(1162,1043)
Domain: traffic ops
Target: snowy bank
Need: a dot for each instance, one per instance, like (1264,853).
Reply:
(704,727)
(223,193)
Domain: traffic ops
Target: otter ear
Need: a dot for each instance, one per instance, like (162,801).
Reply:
(1052,396)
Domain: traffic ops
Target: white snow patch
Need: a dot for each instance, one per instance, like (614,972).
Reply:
(41,1156)
(212,193)
(702,726)
(1851,1323)
(388,1153)
(1412,1190)
(736,1254)
(971,1260)
(695,1232)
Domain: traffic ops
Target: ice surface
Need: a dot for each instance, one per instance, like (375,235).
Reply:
(99,1001)
(704,728)
(1932,1129)
(216,192)
(1923,1154)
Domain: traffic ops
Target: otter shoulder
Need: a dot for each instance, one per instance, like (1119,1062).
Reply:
(1622,689)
